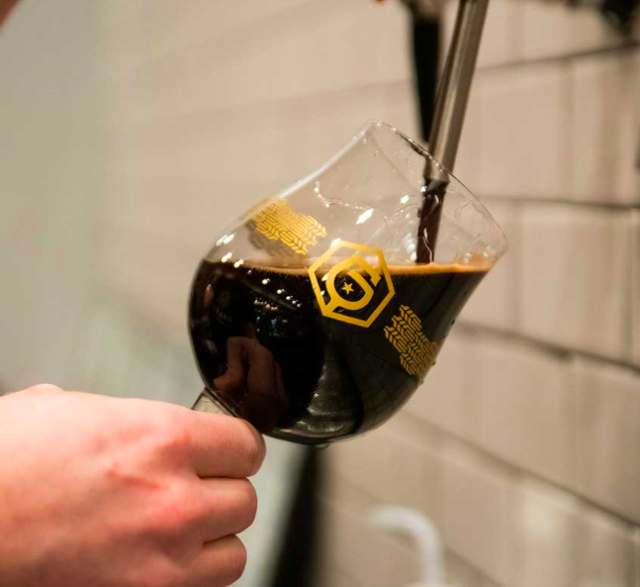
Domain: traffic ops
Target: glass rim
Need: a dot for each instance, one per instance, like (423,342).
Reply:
(499,242)
(502,243)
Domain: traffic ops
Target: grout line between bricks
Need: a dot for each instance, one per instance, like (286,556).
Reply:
(483,455)
(244,33)
(477,572)
(536,201)
(634,342)
(323,496)
(282,102)
(623,47)
(490,461)
(347,573)
(544,346)
(628,324)
(515,284)
(570,124)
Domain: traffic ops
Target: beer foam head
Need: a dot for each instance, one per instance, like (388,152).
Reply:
(416,269)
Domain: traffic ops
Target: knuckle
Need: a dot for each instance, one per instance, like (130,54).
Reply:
(174,435)
(175,513)
(44,388)
(184,507)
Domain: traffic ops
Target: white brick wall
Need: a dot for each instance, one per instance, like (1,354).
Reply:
(523,145)
(565,544)
(605,154)
(502,34)
(444,399)
(50,184)
(608,436)
(553,31)
(495,302)
(352,547)
(306,48)
(606,552)
(575,271)
(480,509)
(550,523)
(460,572)
(313,128)
(525,408)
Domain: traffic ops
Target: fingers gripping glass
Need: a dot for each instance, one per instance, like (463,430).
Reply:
(320,311)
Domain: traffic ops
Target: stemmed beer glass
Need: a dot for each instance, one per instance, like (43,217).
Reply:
(321,310)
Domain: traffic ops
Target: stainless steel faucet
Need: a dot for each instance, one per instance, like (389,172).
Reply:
(448,118)
(455,84)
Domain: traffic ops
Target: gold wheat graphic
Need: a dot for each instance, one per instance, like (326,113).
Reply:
(417,352)
(278,222)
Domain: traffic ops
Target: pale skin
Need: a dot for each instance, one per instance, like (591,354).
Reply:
(105,492)
(122,492)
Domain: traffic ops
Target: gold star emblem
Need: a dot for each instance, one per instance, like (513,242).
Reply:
(347,287)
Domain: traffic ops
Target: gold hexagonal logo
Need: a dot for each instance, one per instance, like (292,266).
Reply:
(363,277)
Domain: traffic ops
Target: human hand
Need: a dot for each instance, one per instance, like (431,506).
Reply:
(113,492)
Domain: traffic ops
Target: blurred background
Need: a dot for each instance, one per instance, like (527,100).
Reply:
(133,131)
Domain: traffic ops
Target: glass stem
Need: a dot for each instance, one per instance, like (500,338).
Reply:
(207,403)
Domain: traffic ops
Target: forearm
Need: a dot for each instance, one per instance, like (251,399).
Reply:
(5,8)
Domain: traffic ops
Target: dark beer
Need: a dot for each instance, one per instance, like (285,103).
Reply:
(285,355)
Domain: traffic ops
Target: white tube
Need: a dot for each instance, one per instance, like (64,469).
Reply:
(423,531)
